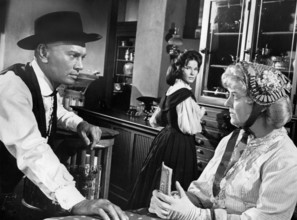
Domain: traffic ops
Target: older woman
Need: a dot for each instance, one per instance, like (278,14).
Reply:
(253,172)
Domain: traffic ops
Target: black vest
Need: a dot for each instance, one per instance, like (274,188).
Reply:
(10,175)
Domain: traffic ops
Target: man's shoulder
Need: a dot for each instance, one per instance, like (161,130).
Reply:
(16,68)
(11,84)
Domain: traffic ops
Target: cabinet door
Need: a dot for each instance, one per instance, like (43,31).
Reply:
(272,36)
(222,35)
(262,31)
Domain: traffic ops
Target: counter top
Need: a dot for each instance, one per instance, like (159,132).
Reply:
(119,117)
(106,133)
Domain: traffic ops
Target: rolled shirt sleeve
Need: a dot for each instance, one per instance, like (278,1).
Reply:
(189,116)
(23,140)
(66,119)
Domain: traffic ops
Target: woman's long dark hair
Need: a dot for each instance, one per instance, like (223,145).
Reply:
(175,69)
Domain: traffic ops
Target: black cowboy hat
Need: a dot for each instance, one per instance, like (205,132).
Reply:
(57,26)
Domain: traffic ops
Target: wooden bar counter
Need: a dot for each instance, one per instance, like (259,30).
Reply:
(129,151)
(91,168)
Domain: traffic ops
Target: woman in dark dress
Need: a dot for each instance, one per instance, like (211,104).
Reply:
(180,116)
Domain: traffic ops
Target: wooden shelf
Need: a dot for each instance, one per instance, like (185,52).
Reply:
(216,93)
(126,47)
(125,75)
(276,1)
(278,33)
(226,33)
(219,66)
(122,60)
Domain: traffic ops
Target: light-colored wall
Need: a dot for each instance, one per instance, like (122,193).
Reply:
(128,10)
(132,10)
(20,23)
(148,49)
(151,58)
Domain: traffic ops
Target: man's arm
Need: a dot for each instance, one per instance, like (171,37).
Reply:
(35,158)
(89,133)
(20,134)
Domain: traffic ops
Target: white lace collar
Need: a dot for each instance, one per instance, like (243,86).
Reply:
(179,84)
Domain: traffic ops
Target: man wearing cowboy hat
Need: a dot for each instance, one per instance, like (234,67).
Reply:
(29,113)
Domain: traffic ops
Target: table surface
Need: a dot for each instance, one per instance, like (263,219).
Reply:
(131,215)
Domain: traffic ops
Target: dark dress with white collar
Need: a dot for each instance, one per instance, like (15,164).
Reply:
(171,146)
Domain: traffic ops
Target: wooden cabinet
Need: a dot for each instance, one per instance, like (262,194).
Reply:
(233,30)
(123,65)
(260,31)
(216,125)
(124,61)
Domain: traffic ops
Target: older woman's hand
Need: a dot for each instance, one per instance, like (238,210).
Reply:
(173,207)
(101,207)
(90,134)
(157,206)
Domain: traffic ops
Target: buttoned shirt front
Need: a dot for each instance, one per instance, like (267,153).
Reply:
(20,134)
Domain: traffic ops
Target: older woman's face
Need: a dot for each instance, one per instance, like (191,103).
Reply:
(190,71)
(240,106)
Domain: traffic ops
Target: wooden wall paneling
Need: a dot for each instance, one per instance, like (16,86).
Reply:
(120,169)
(141,148)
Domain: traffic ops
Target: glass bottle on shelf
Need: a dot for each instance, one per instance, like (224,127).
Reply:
(127,55)
(131,56)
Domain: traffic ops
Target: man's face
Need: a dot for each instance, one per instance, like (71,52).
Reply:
(64,61)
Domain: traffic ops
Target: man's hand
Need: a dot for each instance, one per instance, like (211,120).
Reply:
(86,131)
(101,207)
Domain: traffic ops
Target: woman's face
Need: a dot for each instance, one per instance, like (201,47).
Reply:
(190,71)
(240,106)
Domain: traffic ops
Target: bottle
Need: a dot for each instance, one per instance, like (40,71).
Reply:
(197,32)
(265,51)
(131,58)
(127,55)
